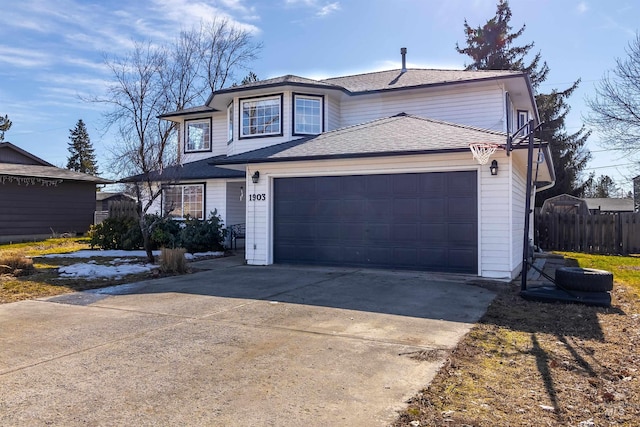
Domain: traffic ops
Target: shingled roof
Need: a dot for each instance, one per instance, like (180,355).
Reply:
(47,172)
(397,135)
(200,169)
(396,79)
(362,83)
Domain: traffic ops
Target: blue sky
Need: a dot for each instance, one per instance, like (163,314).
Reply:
(51,53)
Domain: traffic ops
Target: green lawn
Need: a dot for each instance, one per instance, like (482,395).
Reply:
(625,269)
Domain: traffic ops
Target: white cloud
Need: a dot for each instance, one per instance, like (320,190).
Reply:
(328,9)
(186,13)
(582,7)
(321,9)
(26,58)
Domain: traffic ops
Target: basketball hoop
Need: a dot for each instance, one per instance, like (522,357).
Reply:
(482,151)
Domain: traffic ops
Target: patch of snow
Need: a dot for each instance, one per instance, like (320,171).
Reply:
(92,270)
(120,254)
(202,255)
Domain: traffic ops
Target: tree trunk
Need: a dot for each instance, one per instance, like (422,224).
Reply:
(145,229)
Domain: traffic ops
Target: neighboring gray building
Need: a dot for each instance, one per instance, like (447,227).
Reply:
(104,198)
(38,199)
(609,205)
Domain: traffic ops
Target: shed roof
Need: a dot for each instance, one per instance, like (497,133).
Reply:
(610,204)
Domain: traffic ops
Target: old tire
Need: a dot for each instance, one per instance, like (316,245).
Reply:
(584,279)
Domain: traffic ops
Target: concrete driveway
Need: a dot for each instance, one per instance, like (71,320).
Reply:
(233,345)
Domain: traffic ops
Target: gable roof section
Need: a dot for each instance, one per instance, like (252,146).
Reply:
(26,165)
(402,134)
(396,79)
(200,169)
(19,156)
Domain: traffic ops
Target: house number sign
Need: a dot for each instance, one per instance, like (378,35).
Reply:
(257,197)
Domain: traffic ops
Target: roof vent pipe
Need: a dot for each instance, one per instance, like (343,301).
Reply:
(403,52)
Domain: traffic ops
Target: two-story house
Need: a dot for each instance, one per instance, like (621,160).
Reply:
(369,170)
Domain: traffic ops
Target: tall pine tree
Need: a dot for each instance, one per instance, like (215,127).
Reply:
(81,156)
(491,47)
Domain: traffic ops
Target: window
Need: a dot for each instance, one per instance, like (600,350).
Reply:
(307,118)
(230,122)
(198,135)
(181,200)
(523,119)
(261,117)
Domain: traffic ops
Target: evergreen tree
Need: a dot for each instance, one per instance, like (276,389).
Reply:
(603,187)
(81,156)
(250,78)
(491,48)
(5,125)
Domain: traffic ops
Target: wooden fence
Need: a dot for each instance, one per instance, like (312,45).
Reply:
(123,209)
(599,234)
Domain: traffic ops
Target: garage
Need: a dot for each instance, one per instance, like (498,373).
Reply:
(419,221)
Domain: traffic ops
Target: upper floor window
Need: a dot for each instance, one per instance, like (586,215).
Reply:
(230,122)
(261,116)
(198,135)
(178,201)
(307,118)
(523,119)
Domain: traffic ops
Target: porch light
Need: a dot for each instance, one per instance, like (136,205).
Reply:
(256,177)
(493,168)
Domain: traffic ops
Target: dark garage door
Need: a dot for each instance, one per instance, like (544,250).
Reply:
(422,221)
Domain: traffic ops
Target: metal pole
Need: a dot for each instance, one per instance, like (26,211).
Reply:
(527,211)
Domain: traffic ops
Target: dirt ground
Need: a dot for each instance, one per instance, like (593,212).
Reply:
(530,363)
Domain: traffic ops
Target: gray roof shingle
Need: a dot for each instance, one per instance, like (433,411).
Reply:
(396,79)
(47,172)
(200,169)
(396,135)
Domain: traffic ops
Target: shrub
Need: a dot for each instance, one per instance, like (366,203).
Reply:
(16,264)
(203,235)
(173,260)
(116,233)
(165,232)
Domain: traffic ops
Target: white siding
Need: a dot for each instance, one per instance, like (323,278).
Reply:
(235,205)
(481,106)
(332,121)
(495,231)
(258,217)
(493,211)
(216,197)
(218,139)
(518,190)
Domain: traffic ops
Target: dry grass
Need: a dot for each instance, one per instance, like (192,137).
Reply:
(529,363)
(173,260)
(49,246)
(44,280)
(15,264)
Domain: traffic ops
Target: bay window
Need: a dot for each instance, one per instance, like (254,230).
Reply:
(261,116)
(307,117)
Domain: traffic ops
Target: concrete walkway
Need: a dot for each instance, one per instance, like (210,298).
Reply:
(234,345)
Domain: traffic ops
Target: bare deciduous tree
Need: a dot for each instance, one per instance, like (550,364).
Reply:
(615,108)
(153,80)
